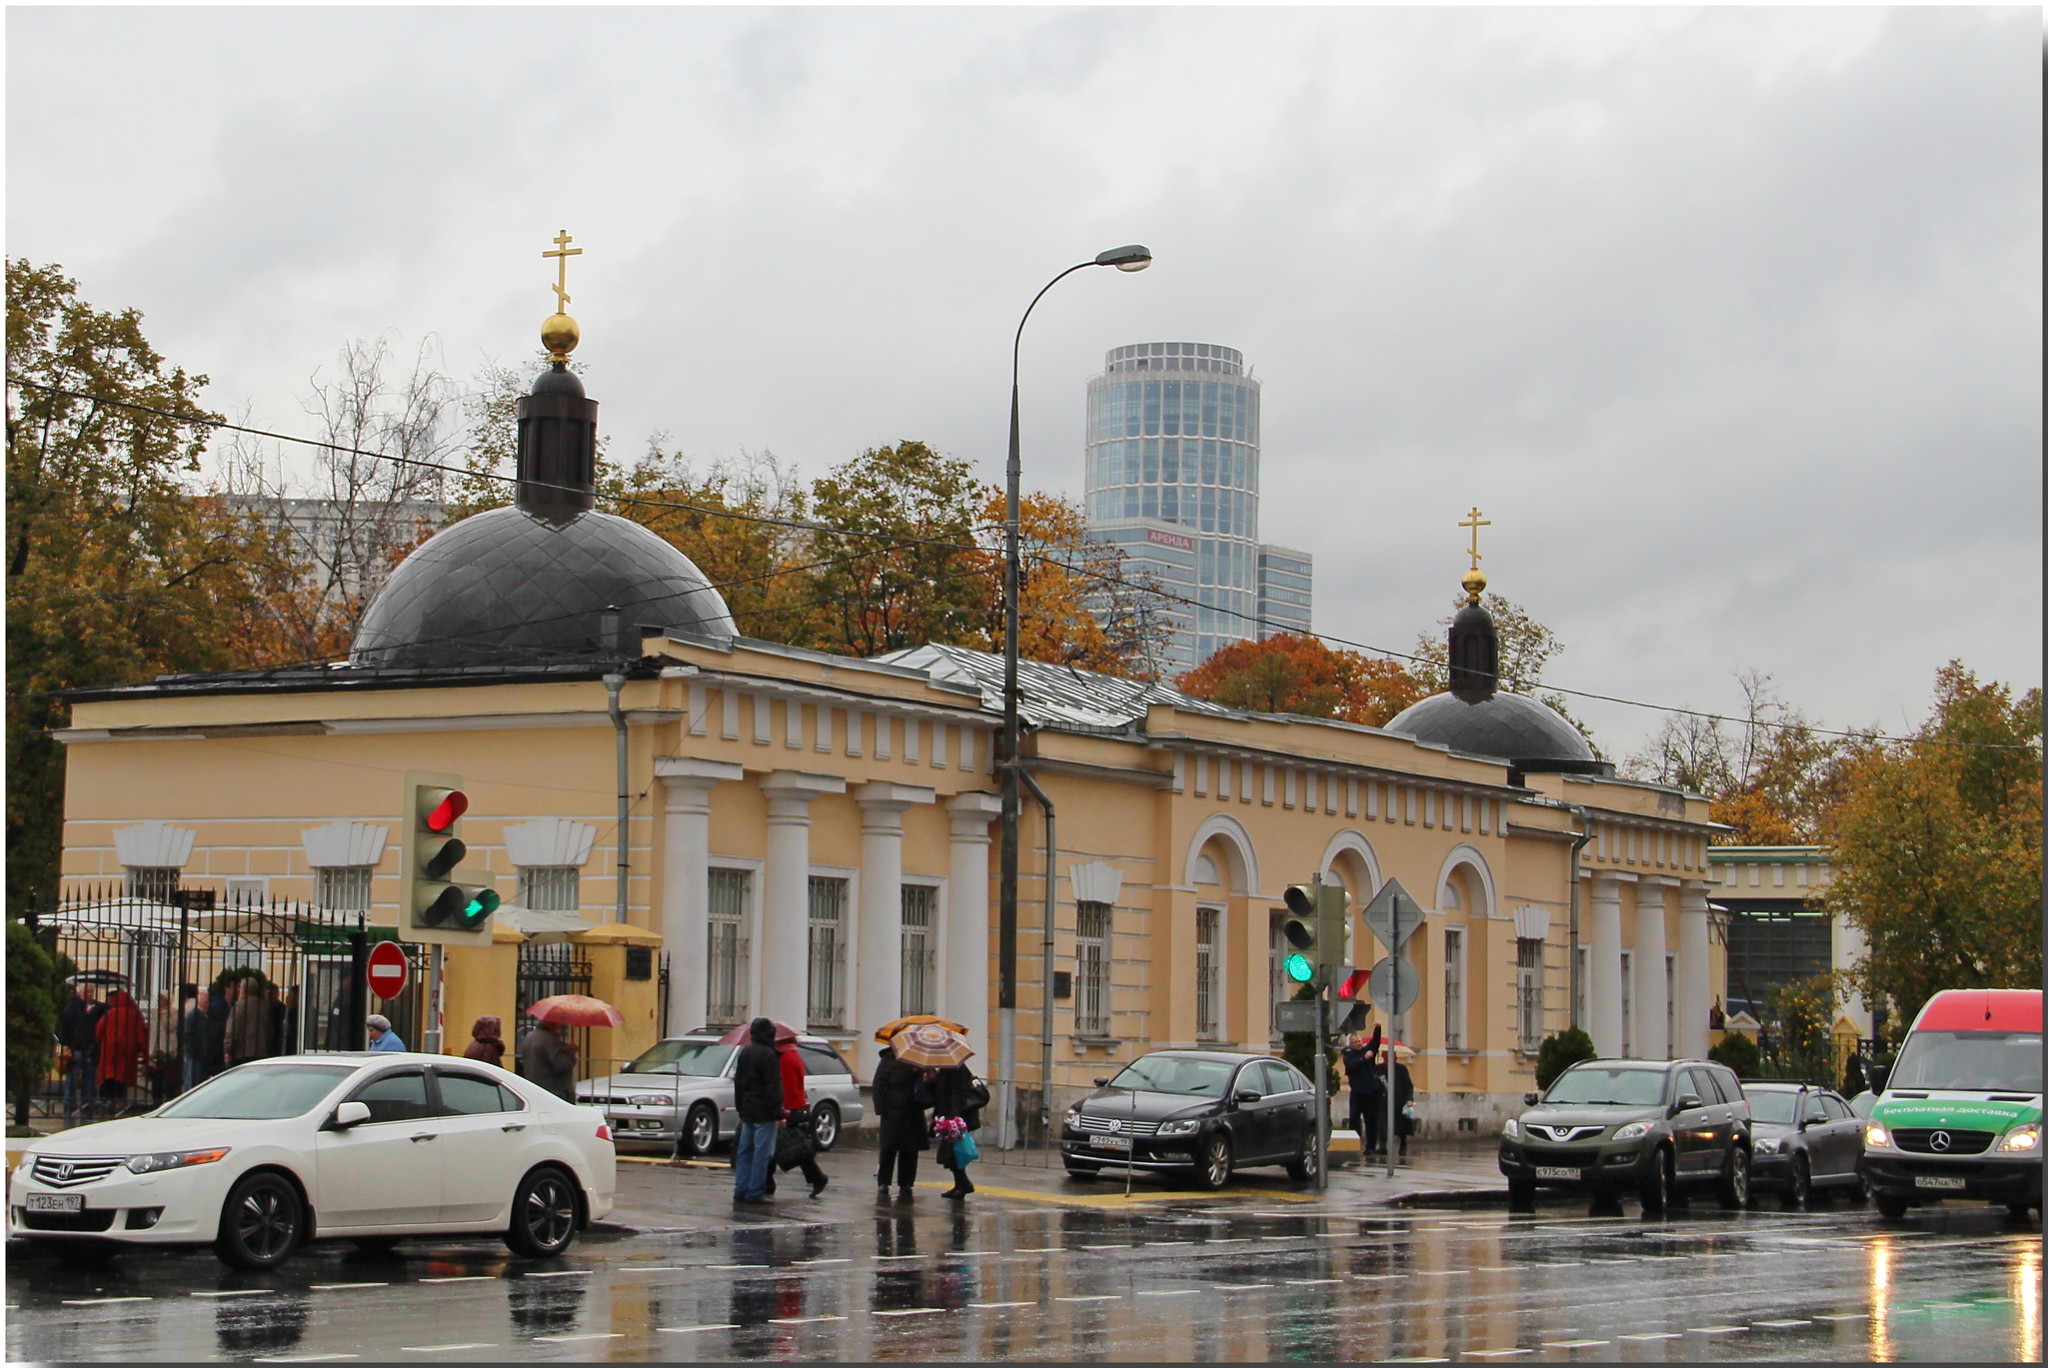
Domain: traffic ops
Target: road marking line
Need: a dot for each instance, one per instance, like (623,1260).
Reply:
(1110,1246)
(657,1268)
(727,1266)
(1786,1324)
(1715,1329)
(1033,1249)
(342,1287)
(1439,1272)
(1994,1301)
(992,1306)
(1178,1292)
(563,1273)
(1234,1239)
(807,1262)
(879,1258)
(566,1339)
(1373,1277)
(1100,1296)
(1573,1344)
(1658,1335)
(1240,1287)
(1943,1306)
(802,1320)
(1335,1235)
(913,1311)
(441,1348)
(1161,1244)
(100,1301)
(693,1329)
(1311,1282)
(1496,1353)
(307,1358)
(464,1277)
(1851,1316)
(240,1292)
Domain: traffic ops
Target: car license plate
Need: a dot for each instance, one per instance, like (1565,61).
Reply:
(1111,1142)
(1559,1172)
(1939,1184)
(56,1201)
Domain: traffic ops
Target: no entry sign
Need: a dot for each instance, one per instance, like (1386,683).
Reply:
(387,971)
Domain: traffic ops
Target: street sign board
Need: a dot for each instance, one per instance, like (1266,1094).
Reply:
(1395,985)
(1379,915)
(387,971)
(1295,1018)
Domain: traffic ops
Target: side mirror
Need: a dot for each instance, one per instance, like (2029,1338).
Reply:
(1247,1095)
(1101,1082)
(1880,1074)
(349,1114)
(1685,1102)
(1531,1099)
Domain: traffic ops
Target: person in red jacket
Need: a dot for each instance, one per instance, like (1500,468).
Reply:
(797,1110)
(122,1036)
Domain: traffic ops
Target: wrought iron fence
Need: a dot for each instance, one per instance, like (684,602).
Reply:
(548,971)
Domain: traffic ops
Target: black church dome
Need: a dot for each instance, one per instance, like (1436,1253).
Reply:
(509,586)
(1533,737)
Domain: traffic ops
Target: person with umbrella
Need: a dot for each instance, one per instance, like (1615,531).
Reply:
(1368,1091)
(957,1098)
(548,1059)
(900,1099)
(757,1096)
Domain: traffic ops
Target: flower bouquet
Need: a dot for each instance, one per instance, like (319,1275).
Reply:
(948,1127)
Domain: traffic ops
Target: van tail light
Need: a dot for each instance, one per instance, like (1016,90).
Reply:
(604,1132)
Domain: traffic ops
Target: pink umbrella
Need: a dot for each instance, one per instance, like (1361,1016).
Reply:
(740,1035)
(575,1009)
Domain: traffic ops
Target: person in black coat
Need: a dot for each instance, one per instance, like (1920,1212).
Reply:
(901,1095)
(1404,1093)
(1368,1092)
(757,1096)
(955,1092)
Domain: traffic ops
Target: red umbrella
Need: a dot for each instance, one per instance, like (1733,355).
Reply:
(740,1035)
(574,1009)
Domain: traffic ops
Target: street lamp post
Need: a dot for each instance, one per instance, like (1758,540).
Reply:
(1130,258)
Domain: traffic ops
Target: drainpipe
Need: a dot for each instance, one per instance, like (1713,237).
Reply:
(1578,844)
(613,683)
(1052,859)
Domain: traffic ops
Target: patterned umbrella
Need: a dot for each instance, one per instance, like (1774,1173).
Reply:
(740,1035)
(883,1033)
(575,1009)
(931,1045)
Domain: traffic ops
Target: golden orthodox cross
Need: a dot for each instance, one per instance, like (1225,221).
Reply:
(1475,524)
(563,251)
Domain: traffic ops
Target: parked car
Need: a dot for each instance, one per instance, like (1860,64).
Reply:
(1804,1140)
(1862,1103)
(678,1094)
(365,1146)
(1959,1116)
(1206,1111)
(1649,1127)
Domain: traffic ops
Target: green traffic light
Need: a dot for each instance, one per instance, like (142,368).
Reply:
(480,906)
(1298,968)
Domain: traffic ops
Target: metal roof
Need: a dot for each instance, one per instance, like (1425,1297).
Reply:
(1058,696)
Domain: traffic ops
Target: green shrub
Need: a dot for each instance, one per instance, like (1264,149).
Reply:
(1739,1053)
(31,1010)
(1560,1052)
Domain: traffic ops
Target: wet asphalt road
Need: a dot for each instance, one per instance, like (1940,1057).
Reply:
(1005,1280)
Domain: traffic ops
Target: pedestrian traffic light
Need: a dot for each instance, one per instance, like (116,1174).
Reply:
(1315,928)
(433,907)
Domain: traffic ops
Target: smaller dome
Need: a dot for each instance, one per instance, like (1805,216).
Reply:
(1533,737)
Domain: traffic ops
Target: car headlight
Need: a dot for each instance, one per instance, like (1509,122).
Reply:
(1767,1146)
(1179,1127)
(655,1100)
(1875,1136)
(170,1159)
(1073,1116)
(2022,1139)
(1634,1130)
(1511,1130)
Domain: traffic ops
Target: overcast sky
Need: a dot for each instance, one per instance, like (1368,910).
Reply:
(1730,320)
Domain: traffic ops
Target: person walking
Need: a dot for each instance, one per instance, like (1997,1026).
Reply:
(75,1032)
(196,1039)
(900,1100)
(957,1098)
(485,1041)
(218,1008)
(248,1024)
(757,1096)
(1404,1097)
(123,1036)
(1368,1091)
(796,1115)
(383,1039)
(549,1061)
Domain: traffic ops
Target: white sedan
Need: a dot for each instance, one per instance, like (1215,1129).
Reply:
(368,1146)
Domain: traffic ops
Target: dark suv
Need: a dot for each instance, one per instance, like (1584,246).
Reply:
(1648,1127)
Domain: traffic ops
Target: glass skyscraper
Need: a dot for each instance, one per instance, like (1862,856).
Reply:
(1173,479)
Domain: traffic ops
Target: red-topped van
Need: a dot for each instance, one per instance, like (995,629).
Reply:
(1959,1116)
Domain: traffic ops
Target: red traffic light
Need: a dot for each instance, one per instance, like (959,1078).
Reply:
(1353,984)
(447,810)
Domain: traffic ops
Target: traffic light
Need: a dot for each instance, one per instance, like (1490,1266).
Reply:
(432,907)
(1316,928)
(1352,1006)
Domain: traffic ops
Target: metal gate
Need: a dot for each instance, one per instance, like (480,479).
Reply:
(547,971)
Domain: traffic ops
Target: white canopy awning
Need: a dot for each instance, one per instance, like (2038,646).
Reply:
(542,928)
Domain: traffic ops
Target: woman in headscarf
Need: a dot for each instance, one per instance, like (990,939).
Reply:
(486,1042)
(122,1036)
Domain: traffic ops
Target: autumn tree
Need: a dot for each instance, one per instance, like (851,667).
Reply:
(1079,601)
(1938,848)
(1289,673)
(115,570)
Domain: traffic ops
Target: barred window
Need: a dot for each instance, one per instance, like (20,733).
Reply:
(550,888)
(1091,963)
(1529,993)
(726,954)
(1208,972)
(920,947)
(828,952)
(1628,1004)
(151,883)
(1670,1005)
(342,888)
(1454,988)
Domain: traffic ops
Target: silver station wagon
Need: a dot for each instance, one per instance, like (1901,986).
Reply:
(678,1094)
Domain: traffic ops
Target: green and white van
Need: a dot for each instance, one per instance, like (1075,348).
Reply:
(1959,1116)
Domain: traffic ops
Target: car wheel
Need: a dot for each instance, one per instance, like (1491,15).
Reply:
(1799,1191)
(1521,1194)
(1214,1170)
(543,1214)
(1889,1205)
(260,1223)
(1303,1167)
(1661,1187)
(700,1130)
(1082,1173)
(1733,1189)
(825,1125)
(1860,1192)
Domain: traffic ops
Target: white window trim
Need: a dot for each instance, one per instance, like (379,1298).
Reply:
(849,922)
(750,920)
(942,914)
(1108,1021)
(1454,974)
(1219,991)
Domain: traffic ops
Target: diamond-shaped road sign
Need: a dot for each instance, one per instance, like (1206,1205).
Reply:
(1395,985)
(1379,915)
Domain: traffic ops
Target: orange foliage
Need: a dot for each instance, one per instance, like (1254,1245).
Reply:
(1300,674)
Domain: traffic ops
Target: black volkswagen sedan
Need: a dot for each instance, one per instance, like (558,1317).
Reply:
(1204,1111)
(1807,1141)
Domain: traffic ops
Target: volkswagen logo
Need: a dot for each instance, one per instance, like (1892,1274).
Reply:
(1940,1141)
(1118,1125)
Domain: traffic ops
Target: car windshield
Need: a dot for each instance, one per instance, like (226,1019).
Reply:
(690,1058)
(1613,1087)
(260,1092)
(1988,1061)
(1176,1074)
(1772,1106)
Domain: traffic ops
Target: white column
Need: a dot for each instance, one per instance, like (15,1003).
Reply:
(1603,994)
(878,972)
(784,965)
(963,988)
(685,882)
(1652,894)
(1694,997)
